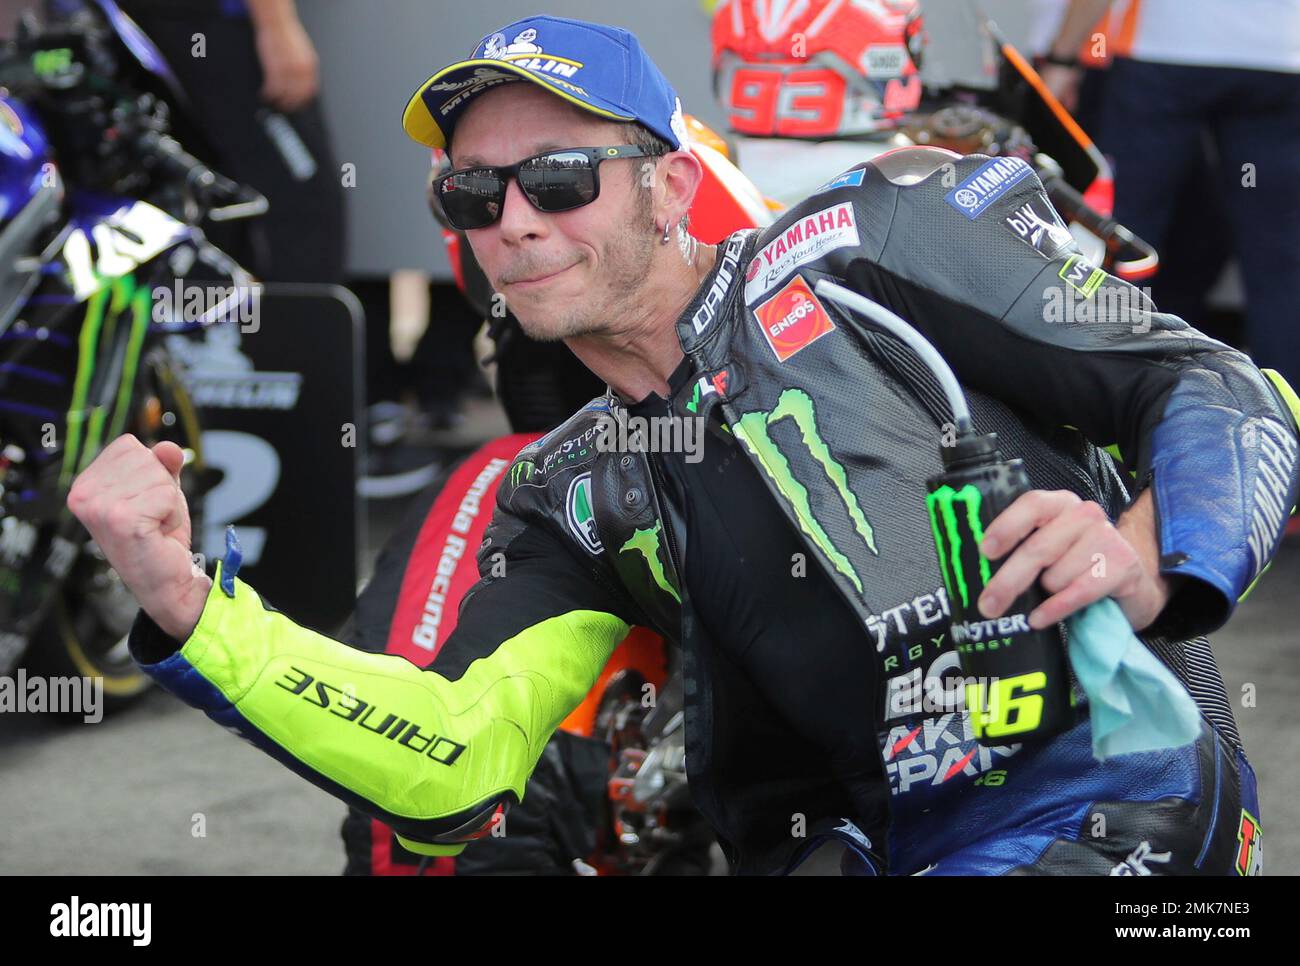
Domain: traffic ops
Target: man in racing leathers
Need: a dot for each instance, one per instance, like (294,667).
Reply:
(790,555)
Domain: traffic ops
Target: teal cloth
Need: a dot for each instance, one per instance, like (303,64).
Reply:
(1135,702)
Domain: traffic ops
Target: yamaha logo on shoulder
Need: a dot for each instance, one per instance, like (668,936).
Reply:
(804,240)
(987,185)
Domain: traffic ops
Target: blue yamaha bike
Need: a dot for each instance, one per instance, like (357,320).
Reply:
(101,215)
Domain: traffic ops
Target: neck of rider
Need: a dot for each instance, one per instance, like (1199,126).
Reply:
(637,352)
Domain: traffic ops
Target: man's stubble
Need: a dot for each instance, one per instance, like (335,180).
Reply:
(626,270)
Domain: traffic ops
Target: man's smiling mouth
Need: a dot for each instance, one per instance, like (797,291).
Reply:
(540,279)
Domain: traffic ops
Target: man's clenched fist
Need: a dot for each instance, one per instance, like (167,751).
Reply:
(130,500)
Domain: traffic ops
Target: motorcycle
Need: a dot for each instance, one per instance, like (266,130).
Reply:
(655,828)
(102,261)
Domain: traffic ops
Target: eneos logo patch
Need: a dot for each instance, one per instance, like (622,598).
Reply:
(793,319)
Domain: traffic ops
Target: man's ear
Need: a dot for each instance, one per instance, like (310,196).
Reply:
(681,175)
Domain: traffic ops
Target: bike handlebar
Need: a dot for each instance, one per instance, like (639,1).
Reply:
(1133,258)
(222,198)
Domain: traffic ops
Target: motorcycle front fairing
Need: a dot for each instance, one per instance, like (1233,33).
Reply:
(79,360)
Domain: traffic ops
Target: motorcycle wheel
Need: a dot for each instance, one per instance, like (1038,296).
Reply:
(85,633)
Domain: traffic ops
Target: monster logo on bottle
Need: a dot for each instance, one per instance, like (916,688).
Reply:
(1020,683)
(950,509)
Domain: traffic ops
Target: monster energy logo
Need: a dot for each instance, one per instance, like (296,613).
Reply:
(958,547)
(797,406)
(521,471)
(91,420)
(53,61)
(646,541)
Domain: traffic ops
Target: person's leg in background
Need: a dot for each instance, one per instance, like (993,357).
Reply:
(1197,245)
(384,377)
(1151,126)
(1090,101)
(1197,248)
(395,465)
(1257,129)
(304,238)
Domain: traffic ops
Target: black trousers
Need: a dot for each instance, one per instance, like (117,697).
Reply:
(1154,118)
(301,238)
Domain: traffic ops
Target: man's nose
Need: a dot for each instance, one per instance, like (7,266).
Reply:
(519,219)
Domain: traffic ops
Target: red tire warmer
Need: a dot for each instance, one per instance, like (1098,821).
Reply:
(409,633)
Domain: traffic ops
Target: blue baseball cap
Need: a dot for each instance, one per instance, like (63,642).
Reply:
(598,68)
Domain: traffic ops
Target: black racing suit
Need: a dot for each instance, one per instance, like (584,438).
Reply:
(798,670)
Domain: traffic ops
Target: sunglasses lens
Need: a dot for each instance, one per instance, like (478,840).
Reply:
(553,182)
(559,181)
(471,199)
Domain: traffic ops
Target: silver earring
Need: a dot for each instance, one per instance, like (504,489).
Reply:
(686,244)
(667,228)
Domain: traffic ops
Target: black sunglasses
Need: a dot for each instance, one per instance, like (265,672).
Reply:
(557,180)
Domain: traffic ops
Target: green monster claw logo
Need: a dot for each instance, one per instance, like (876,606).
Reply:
(752,430)
(89,422)
(522,470)
(646,540)
(943,503)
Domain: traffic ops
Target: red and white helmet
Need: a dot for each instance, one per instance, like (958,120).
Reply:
(816,68)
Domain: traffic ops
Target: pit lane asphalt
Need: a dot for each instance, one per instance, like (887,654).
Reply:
(160,789)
